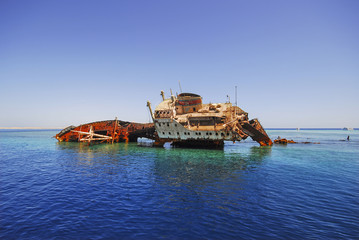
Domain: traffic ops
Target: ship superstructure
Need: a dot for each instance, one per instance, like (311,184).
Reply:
(185,121)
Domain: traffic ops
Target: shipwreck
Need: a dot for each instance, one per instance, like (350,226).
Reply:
(182,120)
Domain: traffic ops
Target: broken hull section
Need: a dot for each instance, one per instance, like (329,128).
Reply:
(107,131)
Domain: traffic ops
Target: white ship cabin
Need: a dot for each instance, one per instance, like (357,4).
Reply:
(185,117)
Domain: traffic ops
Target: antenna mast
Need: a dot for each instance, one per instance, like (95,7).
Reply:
(236,96)
(179,83)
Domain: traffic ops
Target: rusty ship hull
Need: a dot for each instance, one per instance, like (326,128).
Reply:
(108,131)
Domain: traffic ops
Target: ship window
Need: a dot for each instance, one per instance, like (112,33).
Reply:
(199,134)
(163,133)
(185,133)
(169,133)
(210,133)
(194,109)
(175,125)
(206,133)
(168,124)
(216,134)
(159,124)
(177,133)
(227,134)
(222,134)
(188,134)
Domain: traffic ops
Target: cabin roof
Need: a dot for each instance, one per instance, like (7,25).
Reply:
(188,95)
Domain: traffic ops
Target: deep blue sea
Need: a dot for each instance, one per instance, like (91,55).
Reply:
(51,190)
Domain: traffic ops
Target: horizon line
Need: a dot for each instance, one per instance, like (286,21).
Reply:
(269,128)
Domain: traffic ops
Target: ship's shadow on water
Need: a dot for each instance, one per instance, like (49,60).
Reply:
(173,165)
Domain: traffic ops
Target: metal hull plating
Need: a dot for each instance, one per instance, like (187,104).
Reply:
(171,129)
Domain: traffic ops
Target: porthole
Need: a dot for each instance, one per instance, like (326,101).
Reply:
(163,133)
(210,133)
(216,134)
(169,133)
(206,133)
(177,133)
(168,124)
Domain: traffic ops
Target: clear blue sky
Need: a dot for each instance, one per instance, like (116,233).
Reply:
(296,63)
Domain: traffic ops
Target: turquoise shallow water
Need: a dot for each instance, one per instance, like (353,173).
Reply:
(51,190)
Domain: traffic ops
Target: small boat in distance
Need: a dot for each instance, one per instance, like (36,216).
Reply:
(348,129)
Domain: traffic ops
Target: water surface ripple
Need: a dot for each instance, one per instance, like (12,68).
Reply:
(51,190)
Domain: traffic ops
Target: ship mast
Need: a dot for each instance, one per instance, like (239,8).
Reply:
(149,107)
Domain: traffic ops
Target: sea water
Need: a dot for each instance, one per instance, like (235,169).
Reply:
(52,190)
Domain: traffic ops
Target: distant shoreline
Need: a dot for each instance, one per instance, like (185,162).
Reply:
(309,129)
(59,128)
(29,128)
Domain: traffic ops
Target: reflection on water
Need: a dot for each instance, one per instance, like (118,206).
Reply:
(92,148)
(172,166)
(195,165)
(206,179)
(97,159)
(198,166)
(173,177)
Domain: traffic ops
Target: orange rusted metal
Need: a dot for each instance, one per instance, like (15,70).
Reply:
(107,131)
(283,141)
(286,141)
